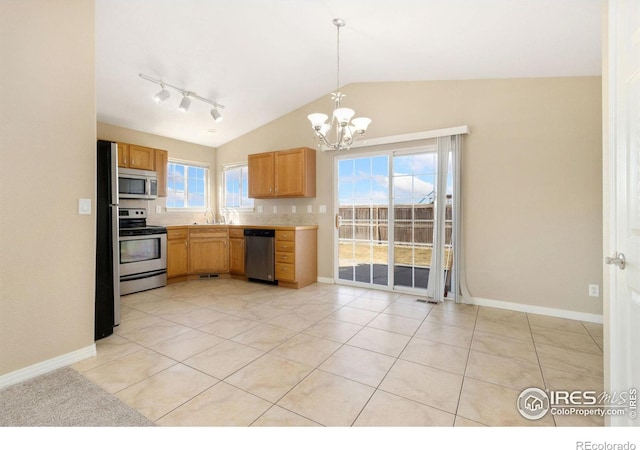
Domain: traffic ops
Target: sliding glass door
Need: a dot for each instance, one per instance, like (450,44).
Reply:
(388,219)
(362,220)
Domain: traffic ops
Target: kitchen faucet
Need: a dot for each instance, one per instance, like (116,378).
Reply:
(208,213)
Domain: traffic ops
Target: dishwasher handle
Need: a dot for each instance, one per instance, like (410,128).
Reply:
(259,232)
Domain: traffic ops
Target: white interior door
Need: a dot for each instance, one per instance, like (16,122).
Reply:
(623,327)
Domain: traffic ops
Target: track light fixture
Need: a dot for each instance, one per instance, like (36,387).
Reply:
(162,95)
(185,103)
(187,96)
(216,115)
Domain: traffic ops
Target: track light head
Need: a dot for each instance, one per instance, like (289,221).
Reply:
(216,115)
(161,96)
(185,103)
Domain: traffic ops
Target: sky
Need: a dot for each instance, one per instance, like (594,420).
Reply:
(366,180)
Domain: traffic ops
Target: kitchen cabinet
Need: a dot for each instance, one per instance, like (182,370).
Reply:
(261,175)
(177,252)
(136,157)
(296,257)
(123,155)
(285,173)
(161,161)
(208,250)
(236,251)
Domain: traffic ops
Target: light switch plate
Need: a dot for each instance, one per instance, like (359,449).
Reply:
(158,209)
(309,209)
(322,209)
(84,206)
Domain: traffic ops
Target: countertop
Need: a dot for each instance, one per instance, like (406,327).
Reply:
(269,227)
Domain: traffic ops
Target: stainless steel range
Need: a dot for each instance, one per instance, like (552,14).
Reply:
(143,252)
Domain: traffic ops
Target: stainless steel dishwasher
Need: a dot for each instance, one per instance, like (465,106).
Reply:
(259,257)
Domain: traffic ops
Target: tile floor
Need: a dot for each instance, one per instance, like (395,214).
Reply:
(223,352)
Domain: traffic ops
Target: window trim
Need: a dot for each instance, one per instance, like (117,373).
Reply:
(223,188)
(207,184)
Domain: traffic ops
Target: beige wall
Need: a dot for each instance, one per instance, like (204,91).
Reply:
(47,140)
(532,177)
(177,149)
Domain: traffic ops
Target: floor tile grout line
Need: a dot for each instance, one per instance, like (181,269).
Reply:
(466,366)
(544,381)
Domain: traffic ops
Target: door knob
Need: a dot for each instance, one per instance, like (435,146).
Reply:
(617,260)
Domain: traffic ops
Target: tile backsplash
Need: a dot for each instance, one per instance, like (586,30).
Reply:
(165,218)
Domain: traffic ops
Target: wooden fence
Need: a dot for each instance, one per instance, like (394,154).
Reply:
(413,224)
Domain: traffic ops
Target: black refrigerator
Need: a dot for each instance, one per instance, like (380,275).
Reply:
(107,298)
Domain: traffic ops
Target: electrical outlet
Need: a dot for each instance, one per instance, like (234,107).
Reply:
(260,209)
(309,209)
(293,209)
(275,209)
(594,290)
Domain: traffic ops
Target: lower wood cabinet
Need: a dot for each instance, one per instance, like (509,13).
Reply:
(177,252)
(208,250)
(236,251)
(296,257)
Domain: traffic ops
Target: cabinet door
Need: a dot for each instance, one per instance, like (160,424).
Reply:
(260,175)
(123,155)
(141,157)
(208,255)
(236,256)
(177,257)
(162,159)
(295,173)
(221,256)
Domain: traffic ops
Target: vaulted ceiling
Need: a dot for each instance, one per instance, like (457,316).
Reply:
(264,58)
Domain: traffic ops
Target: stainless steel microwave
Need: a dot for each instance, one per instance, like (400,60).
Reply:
(135,183)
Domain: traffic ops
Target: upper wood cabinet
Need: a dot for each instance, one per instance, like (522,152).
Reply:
(162,159)
(286,173)
(145,158)
(123,155)
(136,157)
(261,175)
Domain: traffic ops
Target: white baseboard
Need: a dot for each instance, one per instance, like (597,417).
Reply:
(325,280)
(544,311)
(47,366)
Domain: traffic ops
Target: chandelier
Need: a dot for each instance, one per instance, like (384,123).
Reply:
(340,132)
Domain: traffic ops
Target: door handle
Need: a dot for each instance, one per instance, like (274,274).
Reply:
(338,221)
(617,260)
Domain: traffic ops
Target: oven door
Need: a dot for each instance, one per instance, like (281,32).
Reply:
(144,253)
